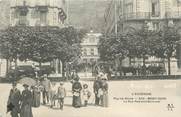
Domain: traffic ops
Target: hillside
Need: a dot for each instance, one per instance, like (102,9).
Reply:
(87,13)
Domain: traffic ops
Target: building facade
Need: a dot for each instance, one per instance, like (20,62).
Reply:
(36,12)
(90,54)
(134,14)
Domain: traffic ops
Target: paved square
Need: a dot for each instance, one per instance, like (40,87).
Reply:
(170,89)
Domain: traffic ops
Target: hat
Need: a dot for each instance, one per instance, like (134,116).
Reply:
(61,83)
(14,83)
(85,86)
(25,85)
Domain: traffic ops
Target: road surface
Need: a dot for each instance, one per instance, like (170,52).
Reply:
(126,99)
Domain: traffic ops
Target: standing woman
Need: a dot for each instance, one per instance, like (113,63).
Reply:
(104,87)
(76,89)
(36,96)
(14,101)
(26,106)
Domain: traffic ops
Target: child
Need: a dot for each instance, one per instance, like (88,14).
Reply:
(85,94)
(61,95)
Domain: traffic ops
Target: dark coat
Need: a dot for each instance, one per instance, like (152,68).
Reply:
(14,102)
(97,85)
(26,107)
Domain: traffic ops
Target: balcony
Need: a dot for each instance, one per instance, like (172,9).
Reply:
(22,22)
(42,8)
(173,15)
(23,10)
(140,15)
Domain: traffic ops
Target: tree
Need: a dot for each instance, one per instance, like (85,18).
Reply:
(41,44)
(12,43)
(168,38)
(68,45)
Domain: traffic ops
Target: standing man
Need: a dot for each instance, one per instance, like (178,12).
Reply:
(14,101)
(46,90)
(96,87)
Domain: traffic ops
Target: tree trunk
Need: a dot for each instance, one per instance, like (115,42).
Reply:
(63,69)
(40,71)
(144,65)
(7,66)
(169,68)
(129,61)
(16,64)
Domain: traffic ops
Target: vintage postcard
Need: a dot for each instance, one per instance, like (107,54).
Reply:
(90,58)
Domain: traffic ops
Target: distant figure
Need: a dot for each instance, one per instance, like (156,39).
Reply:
(85,94)
(104,93)
(61,95)
(14,101)
(96,87)
(36,96)
(46,90)
(53,91)
(26,105)
(76,89)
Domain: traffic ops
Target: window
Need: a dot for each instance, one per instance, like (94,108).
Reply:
(34,13)
(43,17)
(92,40)
(85,52)
(129,10)
(92,51)
(92,60)
(84,60)
(155,8)
(22,20)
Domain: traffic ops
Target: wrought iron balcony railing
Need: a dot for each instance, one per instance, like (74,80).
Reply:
(173,15)
(42,8)
(140,15)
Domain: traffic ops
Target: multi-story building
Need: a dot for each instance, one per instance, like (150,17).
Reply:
(90,55)
(36,12)
(4,15)
(134,14)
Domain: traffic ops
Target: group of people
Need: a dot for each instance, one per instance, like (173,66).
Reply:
(21,103)
(100,89)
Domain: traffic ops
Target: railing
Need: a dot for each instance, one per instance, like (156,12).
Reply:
(24,22)
(140,15)
(173,15)
(42,8)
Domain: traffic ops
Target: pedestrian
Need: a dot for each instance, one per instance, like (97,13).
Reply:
(61,94)
(26,104)
(104,93)
(76,89)
(53,91)
(85,94)
(14,99)
(36,96)
(96,87)
(46,90)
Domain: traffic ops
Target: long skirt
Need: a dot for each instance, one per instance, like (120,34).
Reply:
(36,99)
(15,111)
(26,111)
(76,101)
(104,100)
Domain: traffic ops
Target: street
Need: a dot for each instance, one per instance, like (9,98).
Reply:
(169,90)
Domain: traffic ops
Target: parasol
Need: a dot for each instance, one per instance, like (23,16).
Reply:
(28,81)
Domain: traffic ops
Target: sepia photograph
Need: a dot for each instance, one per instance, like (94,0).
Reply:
(90,58)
